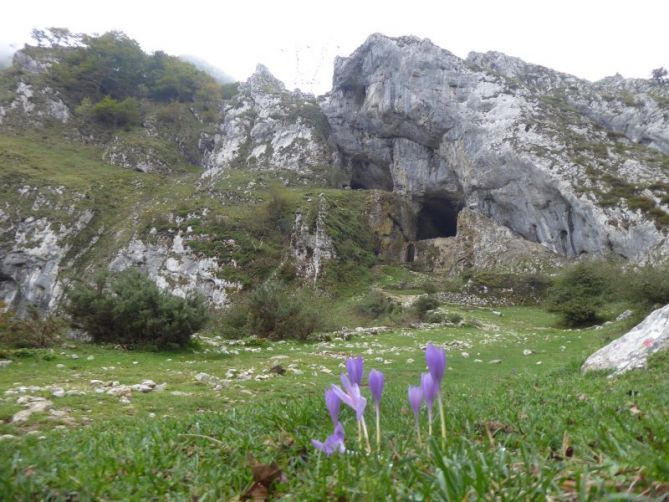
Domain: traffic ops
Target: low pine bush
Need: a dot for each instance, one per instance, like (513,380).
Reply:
(33,332)
(130,310)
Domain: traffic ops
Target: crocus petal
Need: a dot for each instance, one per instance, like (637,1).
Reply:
(429,388)
(376,381)
(334,443)
(333,403)
(345,398)
(415,399)
(436,362)
(355,369)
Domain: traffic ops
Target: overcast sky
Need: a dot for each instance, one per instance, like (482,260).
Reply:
(298,40)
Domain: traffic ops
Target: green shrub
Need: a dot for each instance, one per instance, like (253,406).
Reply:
(374,304)
(648,285)
(423,304)
(132,311)
(34,331)
(112,113)
(454,318)
(578,293)
(273,310)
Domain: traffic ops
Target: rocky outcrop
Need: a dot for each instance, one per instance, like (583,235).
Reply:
(175,267)
(267,127)
(30,267)
(310,245)
(631,351)
(481,244)
(502,139)
(31,104)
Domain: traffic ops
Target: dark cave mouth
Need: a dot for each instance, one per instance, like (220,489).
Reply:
(438,217)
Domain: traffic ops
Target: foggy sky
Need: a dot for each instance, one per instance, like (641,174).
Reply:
(299,39)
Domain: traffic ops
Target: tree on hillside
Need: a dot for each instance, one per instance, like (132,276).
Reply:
(660,74)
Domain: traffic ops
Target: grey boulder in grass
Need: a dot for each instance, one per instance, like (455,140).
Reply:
(631,350)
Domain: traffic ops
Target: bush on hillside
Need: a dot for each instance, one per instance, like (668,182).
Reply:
(132,311)
(374,304)
(648,285)
(423,305)
(273,310)
(579,291)
(34,331)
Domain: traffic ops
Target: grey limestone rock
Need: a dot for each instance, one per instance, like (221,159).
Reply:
(520,144)
(631,350)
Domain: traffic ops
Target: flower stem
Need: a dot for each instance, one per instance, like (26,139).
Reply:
(429,422)
(378,428)
(364,430)
(359,434)
(420,443)
(441,417)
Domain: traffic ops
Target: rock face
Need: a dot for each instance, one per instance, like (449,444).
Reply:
(267,127)
(310,244)
(481,243)
(631,351)
(508,140)
(29,269)
(174,267)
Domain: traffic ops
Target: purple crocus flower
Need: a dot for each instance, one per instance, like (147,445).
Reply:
(355,369)
(415,399)
(333,444)
(332,402)
(376,380)
(351,396)
(436,362)
(430,390)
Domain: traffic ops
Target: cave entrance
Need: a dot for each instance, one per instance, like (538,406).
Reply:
(438,217)
(368,176)
(410,254)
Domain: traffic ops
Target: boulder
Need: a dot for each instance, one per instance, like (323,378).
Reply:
(631,350)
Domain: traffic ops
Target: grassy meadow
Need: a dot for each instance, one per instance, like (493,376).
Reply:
(520,427)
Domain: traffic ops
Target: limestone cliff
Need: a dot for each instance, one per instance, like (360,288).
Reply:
(577,167)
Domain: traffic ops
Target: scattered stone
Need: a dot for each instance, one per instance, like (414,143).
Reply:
(4,363)
(465,354)
(496,312)
(631,350)
(180,393)
(58,392)
(624,315)
(539,362)
(5,437)
(477,361)
(33,405)
(527,352)
(120,390)
(90,358)
(149,383)
(410,361)
(96,383)
(60,366)
(495,361)
(124,400)
(74,356)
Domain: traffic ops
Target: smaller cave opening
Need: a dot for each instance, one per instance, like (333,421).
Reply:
(410,255)
(438,217)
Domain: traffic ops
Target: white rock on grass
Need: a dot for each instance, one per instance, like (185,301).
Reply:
(5,362)
(631,350)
